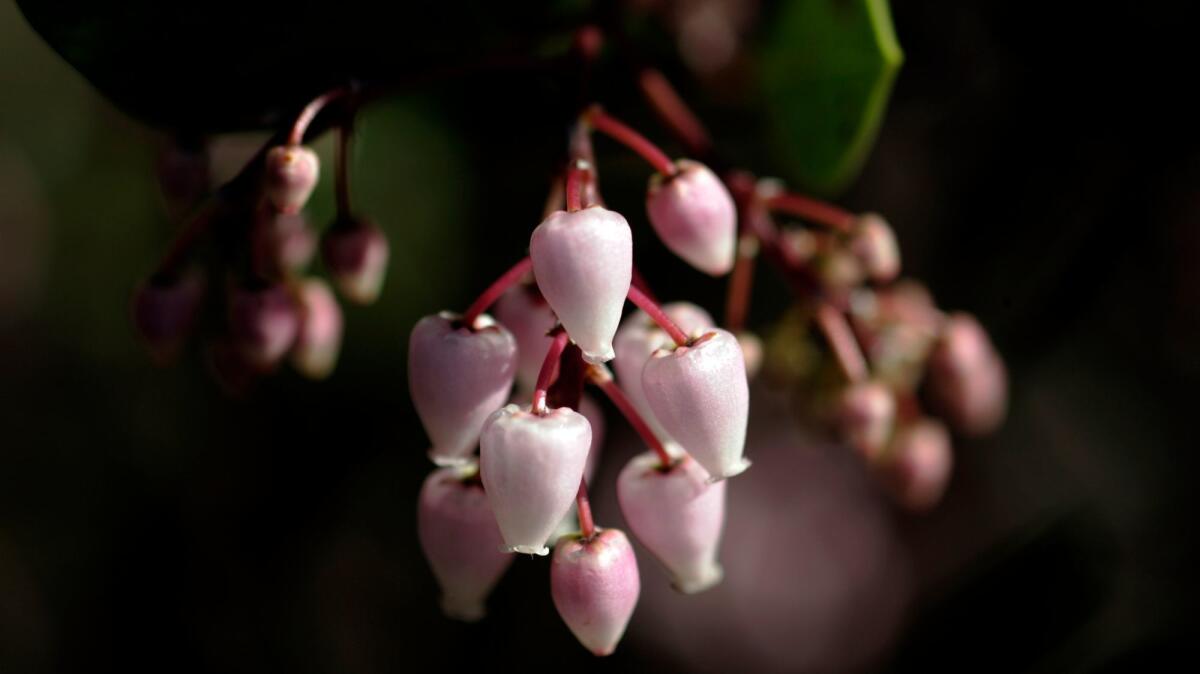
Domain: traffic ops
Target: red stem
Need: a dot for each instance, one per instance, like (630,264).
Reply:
(494,291)
(587,526)
(602,378)
(549,368)
(578,175)
(631,139)
(674,112)
(837,331)
(812,209)
(651,307)
(741,282)
(310,112)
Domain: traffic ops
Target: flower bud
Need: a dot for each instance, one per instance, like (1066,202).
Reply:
(638,338)
(583,263)
(700,396)
(917,465)
(356,254)
(320,337)
(531,466)
(873,242)
(457,377)
(460,539)
(527,315)
(967,381)
(595,586)
(678,515)
(864,417)
(752,352)
(283,243)
(263,323)
(183,176)
(165,310)
(291,173)
(694,215)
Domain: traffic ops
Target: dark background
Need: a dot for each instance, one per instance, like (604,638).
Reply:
(1039,163)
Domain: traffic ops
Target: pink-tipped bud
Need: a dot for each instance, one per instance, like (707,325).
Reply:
(263,323)
(864,416)
(694,215)
(968,384)
(457,377)
(165,310)
(678,515)
(700,396)
(290,175)
(639,337)
(460,539)
(873,243)
(283,243)
(531,466)
(595,586)
(524,311)
(356,254)
(917,466)
(320,339)
(583,263)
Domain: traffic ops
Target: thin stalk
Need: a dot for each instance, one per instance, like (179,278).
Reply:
(837,331)
(549,369)
(651,307)
(623,134)
(812,209)
(494,291)
(602,378)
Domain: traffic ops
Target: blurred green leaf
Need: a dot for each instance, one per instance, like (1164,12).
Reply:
(827,69)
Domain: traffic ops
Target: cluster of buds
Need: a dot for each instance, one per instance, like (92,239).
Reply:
(681,382)
(501,396)
(272,309)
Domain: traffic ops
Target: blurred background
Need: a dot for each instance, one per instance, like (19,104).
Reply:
(1039,174)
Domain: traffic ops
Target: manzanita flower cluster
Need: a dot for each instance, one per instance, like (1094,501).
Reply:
(259,245)
(501,395)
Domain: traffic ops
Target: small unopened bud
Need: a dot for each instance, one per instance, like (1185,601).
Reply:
(678,515)
(700,396)
(967,381)
(283,243)
(460,539)
(356,254)
(290,175)
(595,585)
(320,338)
(165,310)
(917,465)
(527,315)
(694,215)
(531,466)
(873,242)
(864,417)
(263,323)
(458,376)
(583,263)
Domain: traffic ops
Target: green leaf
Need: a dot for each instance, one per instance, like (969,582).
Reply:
(827,72)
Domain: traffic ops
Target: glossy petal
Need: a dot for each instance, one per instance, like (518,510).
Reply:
(694,215)
(527,315)
(595,586)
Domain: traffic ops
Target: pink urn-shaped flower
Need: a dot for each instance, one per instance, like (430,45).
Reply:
(638,338)
(864,416)
(356,254)
(678,515)
(320,338)
(694,215)
(967,381)
(526,314)
(594,583)
(917,466)
(457,377)
(583,263)
(290,175)
(460,539)
(263,323)
(531,465)
(700,396)
(165,309)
